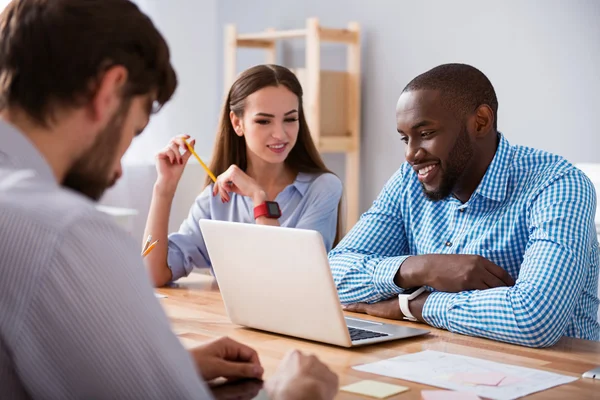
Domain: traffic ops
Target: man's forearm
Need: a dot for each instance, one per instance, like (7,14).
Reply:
(411,272)
(416,306)
(519,315)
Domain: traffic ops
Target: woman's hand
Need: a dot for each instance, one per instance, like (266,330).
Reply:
(170,163)
(235,180)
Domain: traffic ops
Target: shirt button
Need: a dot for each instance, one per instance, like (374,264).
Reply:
(449,244)
(462,210)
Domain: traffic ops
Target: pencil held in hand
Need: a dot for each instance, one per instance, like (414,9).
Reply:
(149,248)
(191,149)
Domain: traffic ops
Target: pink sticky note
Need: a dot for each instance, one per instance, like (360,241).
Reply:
(479,378)
(448,395)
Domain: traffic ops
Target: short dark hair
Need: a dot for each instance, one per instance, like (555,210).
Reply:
(52,53)
(463,88)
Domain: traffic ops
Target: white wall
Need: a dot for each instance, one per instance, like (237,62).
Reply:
(542,57)
(190,28)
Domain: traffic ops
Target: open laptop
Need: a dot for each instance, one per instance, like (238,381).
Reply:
(278,280)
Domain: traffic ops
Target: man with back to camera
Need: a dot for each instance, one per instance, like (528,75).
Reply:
(78,318)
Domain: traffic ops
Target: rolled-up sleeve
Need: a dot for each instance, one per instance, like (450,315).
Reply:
(365,263)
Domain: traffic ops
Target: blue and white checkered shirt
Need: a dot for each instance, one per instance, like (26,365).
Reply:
(532,214)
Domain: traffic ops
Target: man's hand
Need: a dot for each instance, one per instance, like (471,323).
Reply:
(302,377)
(451,273)
(389,309)
(227,358)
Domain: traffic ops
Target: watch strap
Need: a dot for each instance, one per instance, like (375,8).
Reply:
(404,299)
(263,210)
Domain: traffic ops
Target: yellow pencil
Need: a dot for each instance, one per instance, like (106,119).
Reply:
(191,149)
(149,249)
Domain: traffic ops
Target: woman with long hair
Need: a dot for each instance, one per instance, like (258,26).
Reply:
(268,171)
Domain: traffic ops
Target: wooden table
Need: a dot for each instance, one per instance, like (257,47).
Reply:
(197,314)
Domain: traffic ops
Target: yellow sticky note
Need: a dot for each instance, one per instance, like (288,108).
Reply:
(379,390)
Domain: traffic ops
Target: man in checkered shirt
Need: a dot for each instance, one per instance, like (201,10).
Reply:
(502,236)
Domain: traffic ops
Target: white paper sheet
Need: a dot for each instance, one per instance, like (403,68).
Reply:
(160,296)
(437,369)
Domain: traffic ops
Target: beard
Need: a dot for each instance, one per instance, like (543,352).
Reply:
(458,160)
(92,173)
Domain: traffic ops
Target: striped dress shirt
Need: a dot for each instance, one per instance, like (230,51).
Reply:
(78,316)
(532,214)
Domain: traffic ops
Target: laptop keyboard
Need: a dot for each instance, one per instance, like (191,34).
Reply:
(362,334)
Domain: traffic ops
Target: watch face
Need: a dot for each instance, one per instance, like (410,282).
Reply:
(273,208)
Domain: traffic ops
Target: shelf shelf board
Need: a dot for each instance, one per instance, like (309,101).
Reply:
(337,144)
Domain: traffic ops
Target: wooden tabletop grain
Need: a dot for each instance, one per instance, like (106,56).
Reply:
(197,314)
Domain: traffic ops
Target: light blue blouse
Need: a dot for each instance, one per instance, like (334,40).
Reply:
(311,202)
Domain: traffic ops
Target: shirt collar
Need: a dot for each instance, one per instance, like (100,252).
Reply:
(302,182)
(18,151)
(495,181)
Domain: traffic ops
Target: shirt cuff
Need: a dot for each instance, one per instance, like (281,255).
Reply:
(177,264)
(437,307)
(384,275)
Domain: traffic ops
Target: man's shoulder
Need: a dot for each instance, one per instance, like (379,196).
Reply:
(42,213)
(540,168)
(39,223)
(529,158)
(41,203)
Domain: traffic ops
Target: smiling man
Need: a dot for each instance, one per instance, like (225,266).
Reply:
(472,234)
